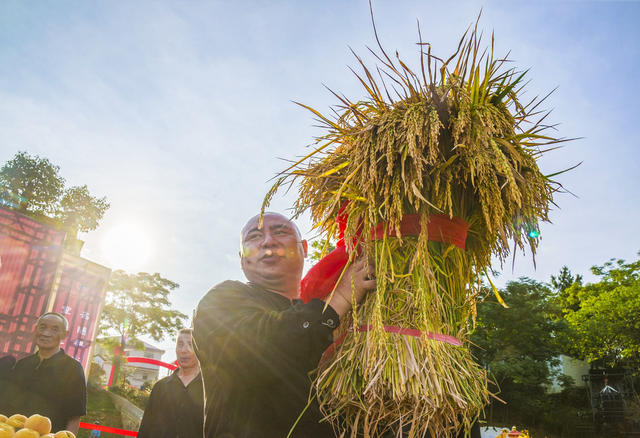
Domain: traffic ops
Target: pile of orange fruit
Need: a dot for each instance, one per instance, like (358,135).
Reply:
(35,426)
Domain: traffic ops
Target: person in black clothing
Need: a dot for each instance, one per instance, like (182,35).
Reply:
(257,343)
(175,407)
(6,366)
(49,382)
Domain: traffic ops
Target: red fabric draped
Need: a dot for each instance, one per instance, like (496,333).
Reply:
(323,276)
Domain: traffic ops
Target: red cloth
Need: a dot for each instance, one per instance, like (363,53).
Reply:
(323,276)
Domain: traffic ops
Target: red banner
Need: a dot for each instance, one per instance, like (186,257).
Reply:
(37,275)
(79,297)
(29,255)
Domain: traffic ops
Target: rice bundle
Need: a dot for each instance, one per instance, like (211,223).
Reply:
(452,143)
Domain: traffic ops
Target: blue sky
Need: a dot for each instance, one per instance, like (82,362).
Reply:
(178,112)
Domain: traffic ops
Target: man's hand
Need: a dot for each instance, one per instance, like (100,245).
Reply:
(356,281)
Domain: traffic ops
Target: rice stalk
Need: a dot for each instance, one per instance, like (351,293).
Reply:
(456,139)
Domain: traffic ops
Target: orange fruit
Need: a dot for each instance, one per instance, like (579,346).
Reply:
(39,423)
(16,420)
(6,431)
(64,434)
(3,418)
(26,433)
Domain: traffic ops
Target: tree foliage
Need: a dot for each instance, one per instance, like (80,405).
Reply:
(604,317)
(320,248)
(33,185)
(138,304)
(519,346)
(79,210)
(565,279)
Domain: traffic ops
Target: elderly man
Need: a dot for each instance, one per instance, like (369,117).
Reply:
(175,406)
(257,343)
(49,382)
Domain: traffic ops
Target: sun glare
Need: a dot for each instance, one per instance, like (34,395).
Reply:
(127,247)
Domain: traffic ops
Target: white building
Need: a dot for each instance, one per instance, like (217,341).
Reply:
(137,373)
(574,368)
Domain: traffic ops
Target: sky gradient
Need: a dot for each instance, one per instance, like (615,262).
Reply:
(179,112)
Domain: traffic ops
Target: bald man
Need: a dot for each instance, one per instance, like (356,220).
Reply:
(257,343)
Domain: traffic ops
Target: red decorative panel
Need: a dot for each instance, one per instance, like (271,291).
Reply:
(29,255)
(79,297)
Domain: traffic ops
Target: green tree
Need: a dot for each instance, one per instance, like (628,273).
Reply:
(562,284)
(81,211)
(96,375)
(519,347)
(565,279)
(604,317)
(137,305)
(33,185)
(320,248)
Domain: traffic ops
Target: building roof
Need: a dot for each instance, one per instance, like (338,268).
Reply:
(147,346)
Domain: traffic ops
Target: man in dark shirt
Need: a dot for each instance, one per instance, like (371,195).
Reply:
(49,382)
(175,407)
(257,343)
(6,366)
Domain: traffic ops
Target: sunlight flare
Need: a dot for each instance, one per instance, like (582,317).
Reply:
(127,246)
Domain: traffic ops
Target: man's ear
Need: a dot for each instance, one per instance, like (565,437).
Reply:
(305,248)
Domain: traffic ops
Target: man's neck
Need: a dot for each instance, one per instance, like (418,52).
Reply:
(47,353)
(188,374)
(290,294)
(287,292)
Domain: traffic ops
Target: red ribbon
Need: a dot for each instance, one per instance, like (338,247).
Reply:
(134,359)
(108,429)
(415,332)
(323,276)
(440,228)
(397,330)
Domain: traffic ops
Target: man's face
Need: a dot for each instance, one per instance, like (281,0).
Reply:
(49,332)
(273,254)
(184,351)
